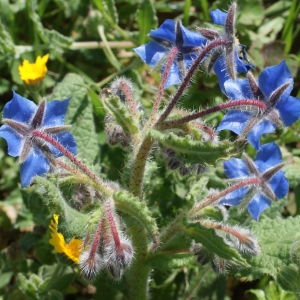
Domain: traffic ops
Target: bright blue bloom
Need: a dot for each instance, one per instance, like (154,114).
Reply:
(228,59)
(273,88)
(267,167)
(166,37)
(20,118)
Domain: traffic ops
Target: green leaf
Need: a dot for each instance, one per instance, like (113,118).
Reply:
(108,7)
(23,285)
(72,221)
(137,209)
(5,278)
(56,40)
(275,236)
(170,261)
(288,278)
(146,18)
(213,243)
(80,115)
(115,107)
(193,151)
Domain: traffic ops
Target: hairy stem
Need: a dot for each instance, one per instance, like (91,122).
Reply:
(231,104)
(100,184)
(137,276)
(138,167)
(186,80)
(213,198)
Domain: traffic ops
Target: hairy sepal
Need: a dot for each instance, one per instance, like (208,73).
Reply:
(120,112)
(195,151)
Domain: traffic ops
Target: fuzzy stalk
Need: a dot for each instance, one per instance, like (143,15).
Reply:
(109,212)
(213,198)
(231,104)
(100,184)
(186,80)
(137,275)
(138,167)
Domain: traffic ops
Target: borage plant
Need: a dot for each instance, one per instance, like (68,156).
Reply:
(109,225)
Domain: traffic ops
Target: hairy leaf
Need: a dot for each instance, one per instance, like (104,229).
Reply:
(275,236)
(137,209)
(193,151)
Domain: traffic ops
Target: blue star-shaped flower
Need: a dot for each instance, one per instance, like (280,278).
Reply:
(169,35)
(273,183)
(231,58)
(273,88)
(20,118)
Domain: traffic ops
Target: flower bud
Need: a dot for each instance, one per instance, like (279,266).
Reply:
(118,257)
(90,265)
(122,88)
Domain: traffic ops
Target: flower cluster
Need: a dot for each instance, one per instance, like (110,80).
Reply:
(255,107)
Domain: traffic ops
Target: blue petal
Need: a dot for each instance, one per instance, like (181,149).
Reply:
(221,72)
(165,32)
(235,168)
(264,126)
(55,112)
(279,184)
(289,110)
(273,77)
(14,141)
(257,205)
(35,164)
(269,155)
(174,76)
(192,39)
(67,140)
(19,109)
(151,53)
(218,17)
(235,121)
(234,198)
(238,89)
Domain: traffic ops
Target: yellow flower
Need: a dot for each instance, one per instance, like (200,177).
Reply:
(72,250)
(34,73)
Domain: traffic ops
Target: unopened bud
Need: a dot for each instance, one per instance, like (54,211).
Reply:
(246,242)
(115,133)
(202,254)
(122,88)
(219,265)
(118,258)
(90,265)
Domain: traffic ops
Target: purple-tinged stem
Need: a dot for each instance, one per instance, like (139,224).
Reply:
(161,88)
(236,103)
(186,80)
(131,103)
(100,184)
(211,199)
(112,223)
(96,240)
